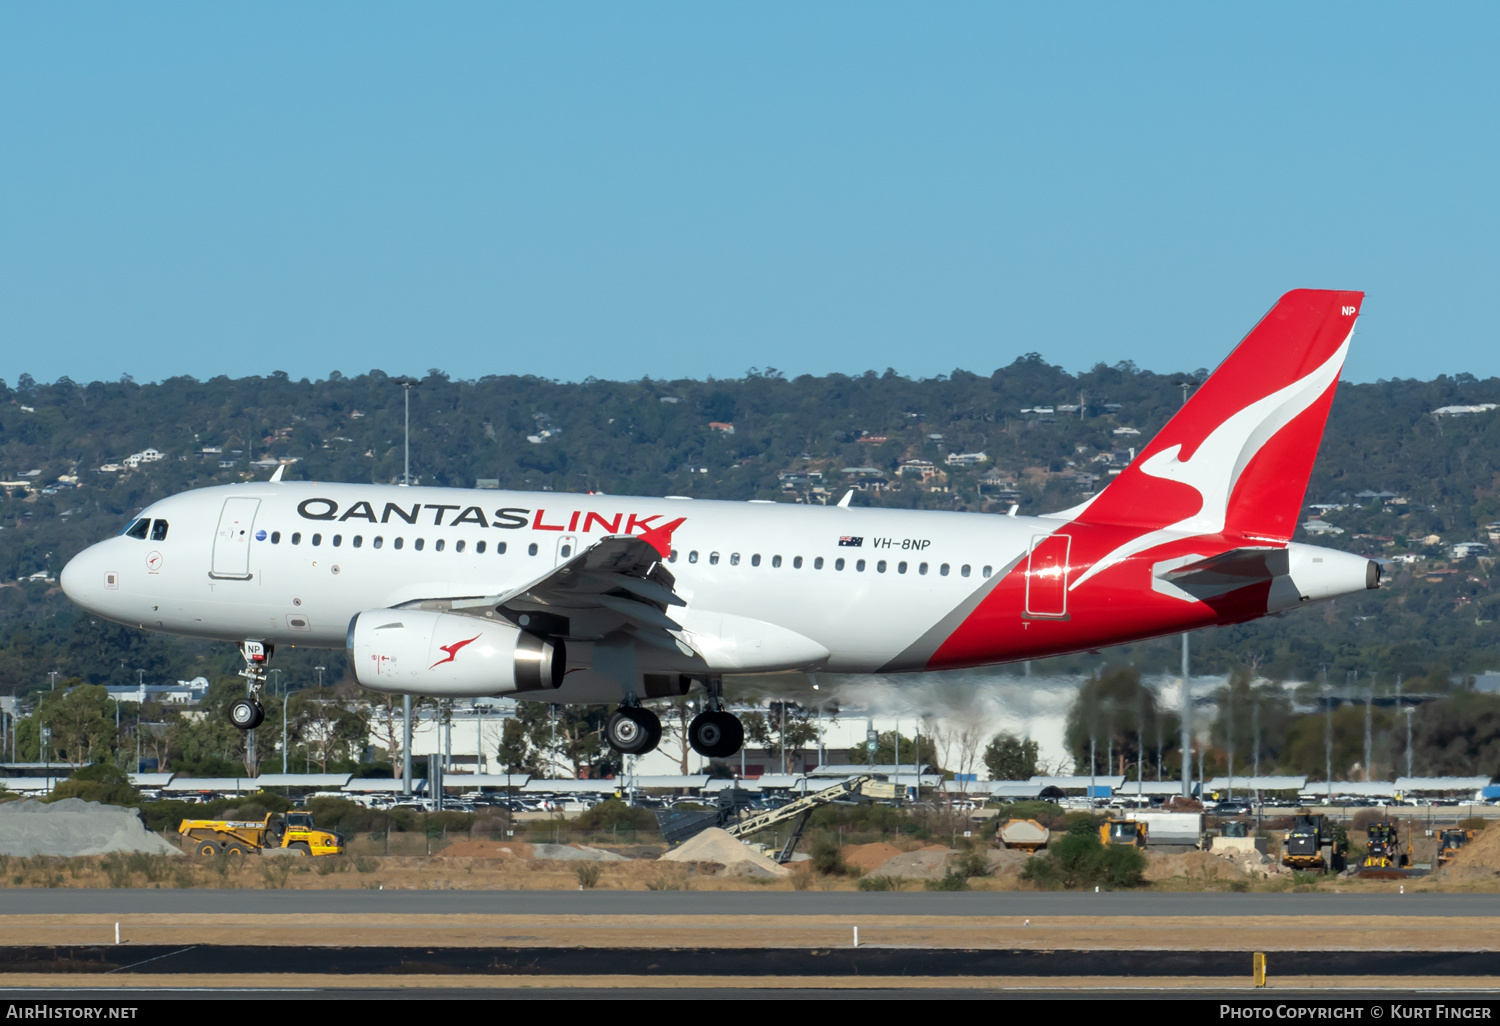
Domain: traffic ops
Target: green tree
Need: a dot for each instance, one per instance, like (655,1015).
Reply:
(1008,757)
(1118,713)
(889,744)
(783,726)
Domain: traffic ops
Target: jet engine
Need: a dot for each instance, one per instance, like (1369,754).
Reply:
(420,652)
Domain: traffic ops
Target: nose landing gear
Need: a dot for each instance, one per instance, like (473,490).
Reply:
(246,713)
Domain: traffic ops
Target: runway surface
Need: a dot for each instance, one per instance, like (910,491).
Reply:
(864,962)
(720,903)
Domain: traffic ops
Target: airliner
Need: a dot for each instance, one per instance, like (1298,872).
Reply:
(567,598)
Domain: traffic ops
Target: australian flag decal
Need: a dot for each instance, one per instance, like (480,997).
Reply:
(850,541)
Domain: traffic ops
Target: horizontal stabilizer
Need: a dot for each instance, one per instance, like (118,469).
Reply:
(1237,566)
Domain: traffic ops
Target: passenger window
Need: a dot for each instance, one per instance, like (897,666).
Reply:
(922,568)
(567,550)
(797,563)
(859,565)
(359,540)
(296,537)
(880,567)
(672,556)
(317,539)
(901,567)
(275,537)
(713,559)
(531,549)
(838,564)
(734,559)
(965,570)
(693,556)
(458,546)
(398,543)
(138,529)
(419,544)
(943,570)
(755,560)
(379,541)
(479,547)
(437,546)
(986,571)
(818,563)
(159,530)
(338,540)
(499,548)
(775,560)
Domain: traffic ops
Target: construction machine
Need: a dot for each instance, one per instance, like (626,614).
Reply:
(1127,832)
(1383,848)
(1302,847)
(293,831)
(1449,841)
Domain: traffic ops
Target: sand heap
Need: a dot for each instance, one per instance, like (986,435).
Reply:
(721,847)
(929,863)
(866,857)
(75,827)
(476,849)
(1476,862)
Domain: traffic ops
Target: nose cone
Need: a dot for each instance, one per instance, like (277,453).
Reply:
(75,578)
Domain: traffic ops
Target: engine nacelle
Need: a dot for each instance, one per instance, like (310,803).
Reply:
(419,652)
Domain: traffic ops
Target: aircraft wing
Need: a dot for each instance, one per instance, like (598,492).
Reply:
(619,582)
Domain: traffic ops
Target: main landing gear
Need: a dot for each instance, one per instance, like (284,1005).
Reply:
(246,713)
(716,733)
(713,733)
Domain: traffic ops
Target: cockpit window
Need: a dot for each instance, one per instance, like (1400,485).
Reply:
(159,530)
(138,529)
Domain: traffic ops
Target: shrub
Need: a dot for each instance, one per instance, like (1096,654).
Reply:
(828,859)
(1049,814)
(880,883)
(588,874)
(953,880)
(1078,861)
(971,863)
(612,813)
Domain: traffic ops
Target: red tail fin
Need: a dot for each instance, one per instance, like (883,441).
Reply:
(1237,457)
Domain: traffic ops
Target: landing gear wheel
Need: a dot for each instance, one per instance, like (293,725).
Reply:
(246,713)
(632,730)
(715,734)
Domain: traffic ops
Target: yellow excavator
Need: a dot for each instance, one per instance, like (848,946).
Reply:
(293,830)
(1449,841)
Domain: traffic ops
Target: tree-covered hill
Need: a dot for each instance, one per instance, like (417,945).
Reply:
(1049,436)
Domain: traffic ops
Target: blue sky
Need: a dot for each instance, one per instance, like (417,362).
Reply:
(695,189)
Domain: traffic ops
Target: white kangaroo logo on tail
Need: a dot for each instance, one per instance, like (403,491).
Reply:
(1215,468)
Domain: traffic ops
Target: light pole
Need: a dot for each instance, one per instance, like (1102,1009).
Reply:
(320,670)
(1407,712)
(1186,740)
(53,675)
(285,694)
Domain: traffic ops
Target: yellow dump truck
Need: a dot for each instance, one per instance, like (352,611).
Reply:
(1122,831)
(293,831)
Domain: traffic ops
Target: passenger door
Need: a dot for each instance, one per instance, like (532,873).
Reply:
(232,542)
(1047,576)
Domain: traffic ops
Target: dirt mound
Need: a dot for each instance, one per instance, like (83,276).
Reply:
(867,856)
(929,863)
(1477,861)
(75,827)
(715,845)
(488,850)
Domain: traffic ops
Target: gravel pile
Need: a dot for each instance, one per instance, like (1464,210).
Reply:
(716,845)
(568,853)
(930,863)
(75,827)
